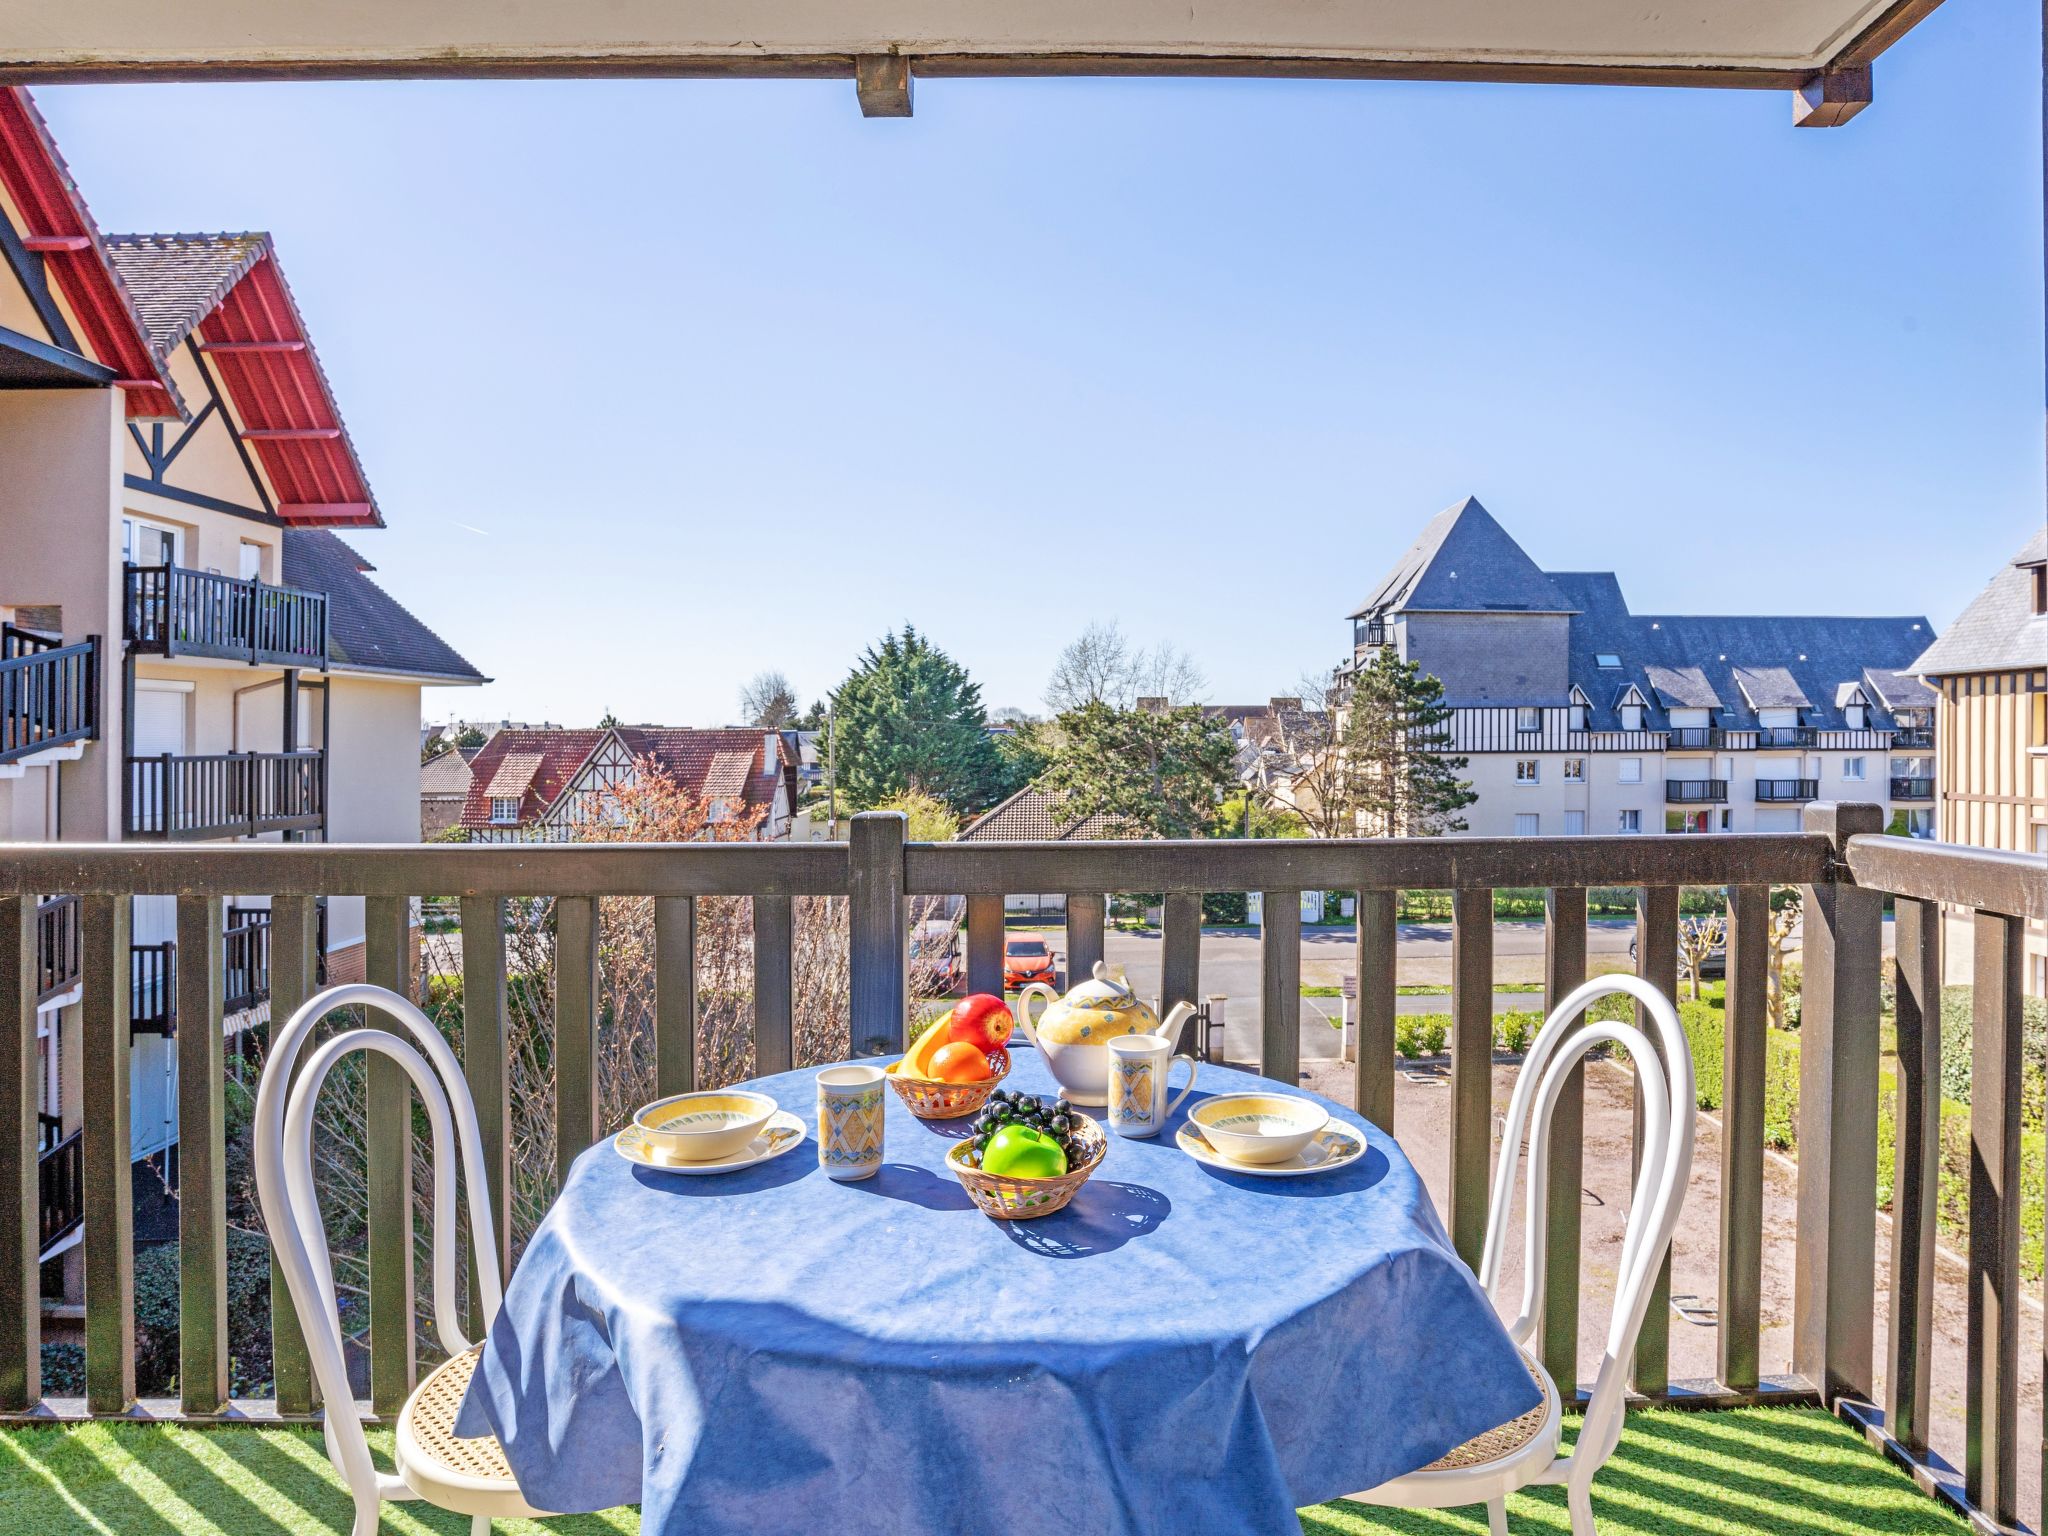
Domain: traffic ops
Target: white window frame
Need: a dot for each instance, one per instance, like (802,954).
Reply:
(1629,821)
(1853,769)
(137,520)
(1528,717)
(1607,663)
(504,811)
(1631,717)
(1528,771)
(1575,770)
(1628,770)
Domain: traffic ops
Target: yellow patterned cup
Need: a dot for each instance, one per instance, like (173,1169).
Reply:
(850,1101)
(1138,1067)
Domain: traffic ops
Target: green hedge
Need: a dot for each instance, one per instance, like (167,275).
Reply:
(1956,1037)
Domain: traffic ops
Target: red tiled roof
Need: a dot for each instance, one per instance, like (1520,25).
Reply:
(560,754)
(111,330)
(725,764)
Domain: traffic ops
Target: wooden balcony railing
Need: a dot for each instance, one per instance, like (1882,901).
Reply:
(60,1182)
(57,947)
(153,988)
(227,794)
(1786,735)
(171,611)
(1912,789)
(1695,791)
(245,959)
(1786,791)
(1698,738)
(1846,867)
(49,697)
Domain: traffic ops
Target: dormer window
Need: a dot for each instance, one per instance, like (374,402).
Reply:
(1631,717)
(1578,717)
(1853,715)
(504,811)
(1528,718)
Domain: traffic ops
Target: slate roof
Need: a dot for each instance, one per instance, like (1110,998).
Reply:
(446,776)
(1464,562)
(368,630)
(1781,657)
(176,281)
(1682,687)
(2000,628)
(1028,816)
(1891,688)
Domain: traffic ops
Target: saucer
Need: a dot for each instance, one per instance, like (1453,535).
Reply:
(1335,1146)
(782,1132)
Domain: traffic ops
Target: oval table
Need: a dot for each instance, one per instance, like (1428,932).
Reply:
(1179,1352)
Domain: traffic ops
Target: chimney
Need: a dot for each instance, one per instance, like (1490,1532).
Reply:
(1278,705)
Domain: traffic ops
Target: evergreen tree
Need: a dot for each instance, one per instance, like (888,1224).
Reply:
(910,719)
(1157,770)
(1393,772)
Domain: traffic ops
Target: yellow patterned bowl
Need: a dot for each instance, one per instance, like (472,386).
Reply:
(703,1127)
(1259,1127)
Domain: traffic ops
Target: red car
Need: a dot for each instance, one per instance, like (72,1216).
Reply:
(1027,959)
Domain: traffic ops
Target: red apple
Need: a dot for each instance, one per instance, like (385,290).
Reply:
(982,1021)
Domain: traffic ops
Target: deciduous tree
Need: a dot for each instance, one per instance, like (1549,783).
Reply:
(769,701)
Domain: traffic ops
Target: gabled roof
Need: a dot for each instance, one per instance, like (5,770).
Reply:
(228,293)
(68,245)
(2000,628)
(446,775)
(1894,689)
(1464,562)
(1682,687)
(514,775)
(733,764)
(554,756)
(1029,816)
(1771,688)
(368,630)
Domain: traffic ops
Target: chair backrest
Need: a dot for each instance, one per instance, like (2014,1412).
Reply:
(1667,1092)
(291,1204)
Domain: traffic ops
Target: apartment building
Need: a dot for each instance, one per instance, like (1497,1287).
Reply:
(1990,676)
(1578,716)
(188,647)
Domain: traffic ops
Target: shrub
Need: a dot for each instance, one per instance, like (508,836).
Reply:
(1513,1030)
(1421,1034)
(248,1313)
(63,1370)
(1781,1089)
(1704,1034)
(1614,1008)
(1956,1038)
(1226,907)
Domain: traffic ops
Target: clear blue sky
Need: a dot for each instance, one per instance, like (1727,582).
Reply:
(660,384)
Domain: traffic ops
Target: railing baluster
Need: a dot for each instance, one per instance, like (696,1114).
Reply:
(774,1011)
(1180,957)
(388,1131)
(1744,1018)
(1916,1169)
(109,1185)
(202,1163)
(1471,1069)
(985,943)
(1280,986)
(292,968)
(1656,963)
(1841,943)
(1564,969)
(1991,1385)
(1085,916)
(675,995)
(576,995)
(1378,958)
(485,1068)
(21,1321)
(878,946)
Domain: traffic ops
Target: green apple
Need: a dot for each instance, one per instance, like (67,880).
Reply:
(1019,1152)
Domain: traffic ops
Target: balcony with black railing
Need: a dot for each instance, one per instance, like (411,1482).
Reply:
(1786,735)
(1695,791)
(1921,736)
(58,958)
(49,694)
(1786,791)
(245,959)
(153,989)
(171,611)
(1696,738)
(60,1182)
(226,794)
(1912,788)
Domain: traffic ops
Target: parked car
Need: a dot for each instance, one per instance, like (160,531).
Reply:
(1028,958)
(1713,968)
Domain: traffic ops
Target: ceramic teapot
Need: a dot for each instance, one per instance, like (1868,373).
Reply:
(1073,1032)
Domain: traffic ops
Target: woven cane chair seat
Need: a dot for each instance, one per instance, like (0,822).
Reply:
(457,1472)
(1499,1443)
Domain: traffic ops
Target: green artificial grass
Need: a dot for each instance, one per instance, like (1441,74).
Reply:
(1767,1471)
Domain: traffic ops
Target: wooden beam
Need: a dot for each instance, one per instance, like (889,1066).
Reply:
(882,81)
(232,347)
(324,511)
(290,434)
(1830,99)
(46,244)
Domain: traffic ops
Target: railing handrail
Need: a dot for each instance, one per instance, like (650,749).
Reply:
(1988,879)
(48,658)
(229,616)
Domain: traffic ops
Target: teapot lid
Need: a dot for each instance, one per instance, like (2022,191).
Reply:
(1105,990)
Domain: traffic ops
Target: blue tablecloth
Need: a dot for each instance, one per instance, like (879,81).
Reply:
(1178,1352)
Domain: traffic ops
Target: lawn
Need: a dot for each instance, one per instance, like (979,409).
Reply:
(1766,1471)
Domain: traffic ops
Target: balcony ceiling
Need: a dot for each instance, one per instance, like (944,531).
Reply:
(1761,43)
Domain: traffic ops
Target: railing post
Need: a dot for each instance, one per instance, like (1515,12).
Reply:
(1916,1170)
(1471,1068)
(1180,957)
(1373,1072)
(1744,1019)
(21,1310)
(879,948)
(485,1069)
(1656,963)
(388,1134)
(1086,914)
(109,1187)
(576,995)
(774,1000)
(1564,969)
(675,995)
(985,942)
(1280,986)
(1837,1250)
(1991,1376)
(202,1163)
(292,969)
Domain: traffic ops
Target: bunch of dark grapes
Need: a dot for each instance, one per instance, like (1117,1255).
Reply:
(1055,1117)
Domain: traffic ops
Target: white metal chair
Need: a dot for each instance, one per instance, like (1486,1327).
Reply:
(1487,1468)
(467,1476)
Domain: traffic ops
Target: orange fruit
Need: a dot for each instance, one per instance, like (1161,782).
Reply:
(959,1062)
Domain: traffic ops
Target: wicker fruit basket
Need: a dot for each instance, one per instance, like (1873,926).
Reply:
(1008,1199)
(946,1101)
